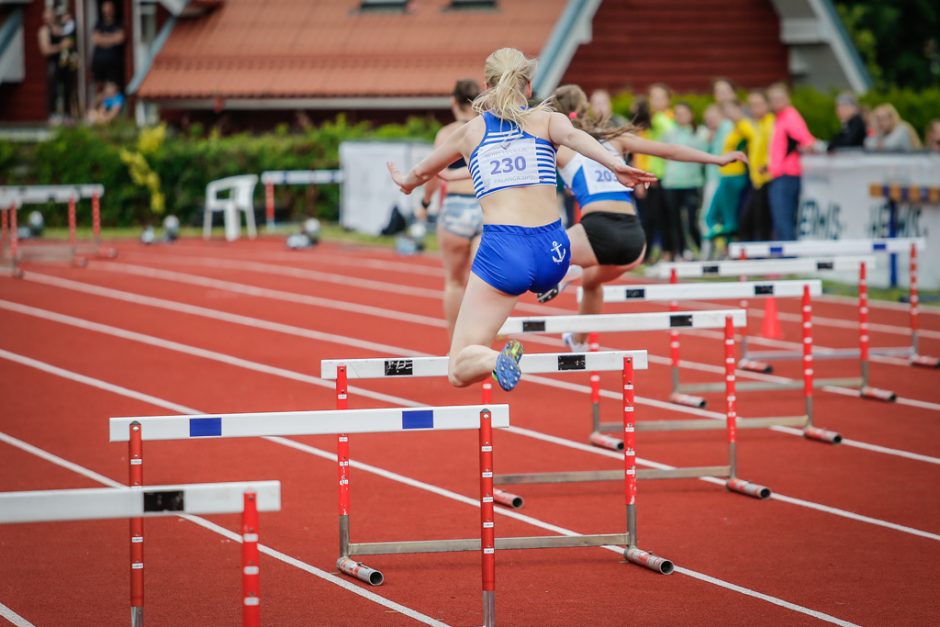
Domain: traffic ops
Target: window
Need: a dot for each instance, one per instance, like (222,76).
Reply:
(383,5)
(472,4)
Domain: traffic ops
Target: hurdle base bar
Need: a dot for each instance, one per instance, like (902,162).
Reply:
(13,272)
(877,394)
(925,361)
(590,476)
(753,365)
(709,424)
(508,499)
(602,440)
(360,571)
(689,400)
(473,544)
(137,616)
(748,488)
(648,560)
(822,435)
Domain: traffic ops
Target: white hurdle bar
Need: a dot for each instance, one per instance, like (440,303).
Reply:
(245,497)
(891,246)
(801,265)
(341,370)
(13,197)
(659,321)
(271,178)
(340,422)
(675,293)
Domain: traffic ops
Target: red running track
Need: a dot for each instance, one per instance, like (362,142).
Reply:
(853,570)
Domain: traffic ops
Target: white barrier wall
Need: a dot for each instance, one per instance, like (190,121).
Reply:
(836,204)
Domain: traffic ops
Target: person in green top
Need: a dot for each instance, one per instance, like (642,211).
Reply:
(653,207)
(682,182)
(721,219)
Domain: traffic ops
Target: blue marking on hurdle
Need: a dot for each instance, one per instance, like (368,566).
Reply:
(776,250)
(205,427)
(876,246)
(417,419)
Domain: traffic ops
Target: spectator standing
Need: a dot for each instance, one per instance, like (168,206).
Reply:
(107,60)
(661,122)
(854,130)
(790,134)
(891,132)
(755,217)
(68,62)
(721,219)
(932,136)
(682,182)
(52,45)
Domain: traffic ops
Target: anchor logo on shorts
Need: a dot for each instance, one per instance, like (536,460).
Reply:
(558,251)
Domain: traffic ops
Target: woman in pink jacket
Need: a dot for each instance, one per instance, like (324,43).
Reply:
(790,134)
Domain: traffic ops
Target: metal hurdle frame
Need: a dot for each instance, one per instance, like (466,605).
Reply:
(246,497)
(726,319)
(340,422)
(625,362)
(890,246)
(271,178)
(13,197)
(798,265)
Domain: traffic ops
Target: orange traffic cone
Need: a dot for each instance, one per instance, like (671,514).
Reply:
(770,326)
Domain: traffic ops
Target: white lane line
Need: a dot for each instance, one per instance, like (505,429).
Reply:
(397,351)
(393,476)
(249,290)
(13,617)
(394,400)
(202,522)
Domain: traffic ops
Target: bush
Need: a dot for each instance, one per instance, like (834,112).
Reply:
(146,174)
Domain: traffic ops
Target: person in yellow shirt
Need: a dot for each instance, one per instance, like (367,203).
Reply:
(721,219)
(756,224)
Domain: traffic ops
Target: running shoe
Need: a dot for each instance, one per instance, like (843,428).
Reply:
(507,372)
(574,347)
(574,273)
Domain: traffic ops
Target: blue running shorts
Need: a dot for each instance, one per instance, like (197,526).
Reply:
(516,259)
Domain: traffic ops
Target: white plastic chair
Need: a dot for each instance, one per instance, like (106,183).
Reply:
(240,198)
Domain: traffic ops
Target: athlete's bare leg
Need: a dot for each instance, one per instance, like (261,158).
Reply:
(456,255)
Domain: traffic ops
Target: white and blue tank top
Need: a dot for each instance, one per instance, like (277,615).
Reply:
(589,181)
(509,157)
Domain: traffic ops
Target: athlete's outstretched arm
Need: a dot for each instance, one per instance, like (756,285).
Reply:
(561,132)
(424,170)
(628,143)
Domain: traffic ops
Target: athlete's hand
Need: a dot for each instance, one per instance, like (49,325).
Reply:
(633,177)
(399,180)
(731,157)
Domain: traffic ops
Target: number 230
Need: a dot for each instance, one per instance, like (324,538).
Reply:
(507,165)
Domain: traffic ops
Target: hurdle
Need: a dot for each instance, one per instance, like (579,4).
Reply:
(271,178)
(592,324)
(625,362)
(674,293)
(799,265)
(14,197)
(890,246)
(247,498)
(340,422)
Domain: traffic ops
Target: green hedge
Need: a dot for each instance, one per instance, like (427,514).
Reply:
(154,171)
(819,109)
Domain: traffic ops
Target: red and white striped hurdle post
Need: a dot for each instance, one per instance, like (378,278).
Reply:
(72,234)
(3,228)
(917,359)
(14,235)
(96,218)
(487,520)
(731,421)
(269,204)
(864,341)
(135,460)
(811,432)
(676,396)
(251,563)
(632,553)
(598,437)
(342,464)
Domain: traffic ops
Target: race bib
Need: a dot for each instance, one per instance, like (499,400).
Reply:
(600,180)
(513,163)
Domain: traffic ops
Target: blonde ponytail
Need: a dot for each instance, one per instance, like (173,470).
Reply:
(507,72)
